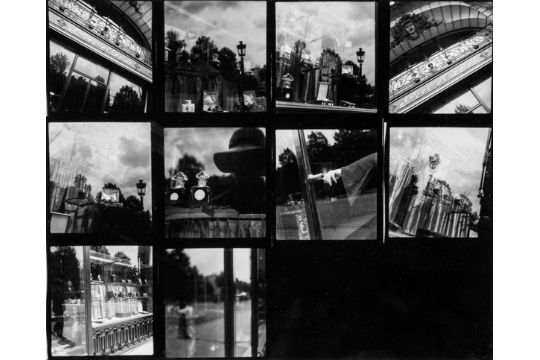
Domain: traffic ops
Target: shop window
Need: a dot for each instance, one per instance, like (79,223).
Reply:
(78,85)
(435,181)
(101,300)
(211,296)
(61,61)
(215,56)
(215,180)
(326,184)
(321,61)
(99,174)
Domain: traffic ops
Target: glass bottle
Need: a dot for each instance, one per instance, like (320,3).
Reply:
(177,191)
(200,193)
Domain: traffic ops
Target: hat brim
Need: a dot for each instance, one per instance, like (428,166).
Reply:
(241,161)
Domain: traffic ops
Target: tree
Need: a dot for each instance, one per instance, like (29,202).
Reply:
(461,109)
(100,249)
(319,150)
(126,99)
(174,44)
(122,256)
(132,202)
(227,58)
(202,51)
(59,63)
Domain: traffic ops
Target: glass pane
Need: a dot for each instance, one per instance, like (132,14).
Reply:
(193,288)
(92,70)
(479,110)
(216,182)
(261,302)
(75,93)
(483,90)
(94,100)
(435,174)
(204,69)
(321,58)
(243,299)
(291,218)
(461,105)
(60,63)
(123,96)
(344,170)
(95,172)
(121,286)
(66,288)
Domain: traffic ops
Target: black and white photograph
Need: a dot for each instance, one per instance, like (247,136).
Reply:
(325,56)
(216,182)
(100,178)
(100,56)
(440,182)
(101,300)
(215,56)
(441,56)
(215,302)
(326,184)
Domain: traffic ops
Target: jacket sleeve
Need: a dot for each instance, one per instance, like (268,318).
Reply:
(357,175)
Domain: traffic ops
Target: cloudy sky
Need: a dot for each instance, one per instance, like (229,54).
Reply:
(351,24)
(461,151)
(210,262)
(225,22)
(202,143)
(112,152)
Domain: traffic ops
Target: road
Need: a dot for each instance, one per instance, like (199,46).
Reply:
(209,332)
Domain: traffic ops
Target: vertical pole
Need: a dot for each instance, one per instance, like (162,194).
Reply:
(254,302)
(229,303)
(304,170)
(87,295)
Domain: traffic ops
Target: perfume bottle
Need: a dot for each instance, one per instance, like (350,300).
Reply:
(200,193)
(177,190)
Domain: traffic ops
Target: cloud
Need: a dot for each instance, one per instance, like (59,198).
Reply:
(225,22)
(133,153)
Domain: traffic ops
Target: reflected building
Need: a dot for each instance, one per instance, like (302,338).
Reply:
(441,57)
(100,58)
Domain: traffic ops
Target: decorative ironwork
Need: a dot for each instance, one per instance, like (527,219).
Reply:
(439,62)
(120,337)
(85,16)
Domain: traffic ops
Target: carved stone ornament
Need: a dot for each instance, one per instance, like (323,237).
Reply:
(410,27)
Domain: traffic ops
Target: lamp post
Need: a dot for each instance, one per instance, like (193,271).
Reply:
(141,190)
(360,58)
(241,47)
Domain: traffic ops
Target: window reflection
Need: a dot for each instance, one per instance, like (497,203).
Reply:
(205,71)
(91,88)
(243,300)
(60,63)
(321,59)
(194,302)
(475,100)
(66,286)
(94,172)
(123,96)
(435,174)
(327,186)
(216,182)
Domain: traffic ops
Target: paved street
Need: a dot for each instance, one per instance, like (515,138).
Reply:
(209,332)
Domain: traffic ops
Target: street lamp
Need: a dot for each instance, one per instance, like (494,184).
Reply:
(241,47)
(360,57)
(141,190)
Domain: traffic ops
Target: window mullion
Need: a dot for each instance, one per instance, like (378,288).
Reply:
(304,170)
(254,302)
(229,303)
(87,301)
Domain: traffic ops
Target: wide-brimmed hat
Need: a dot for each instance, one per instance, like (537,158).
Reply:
(246,153)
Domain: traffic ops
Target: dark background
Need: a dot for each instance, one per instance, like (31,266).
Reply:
(406,299)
